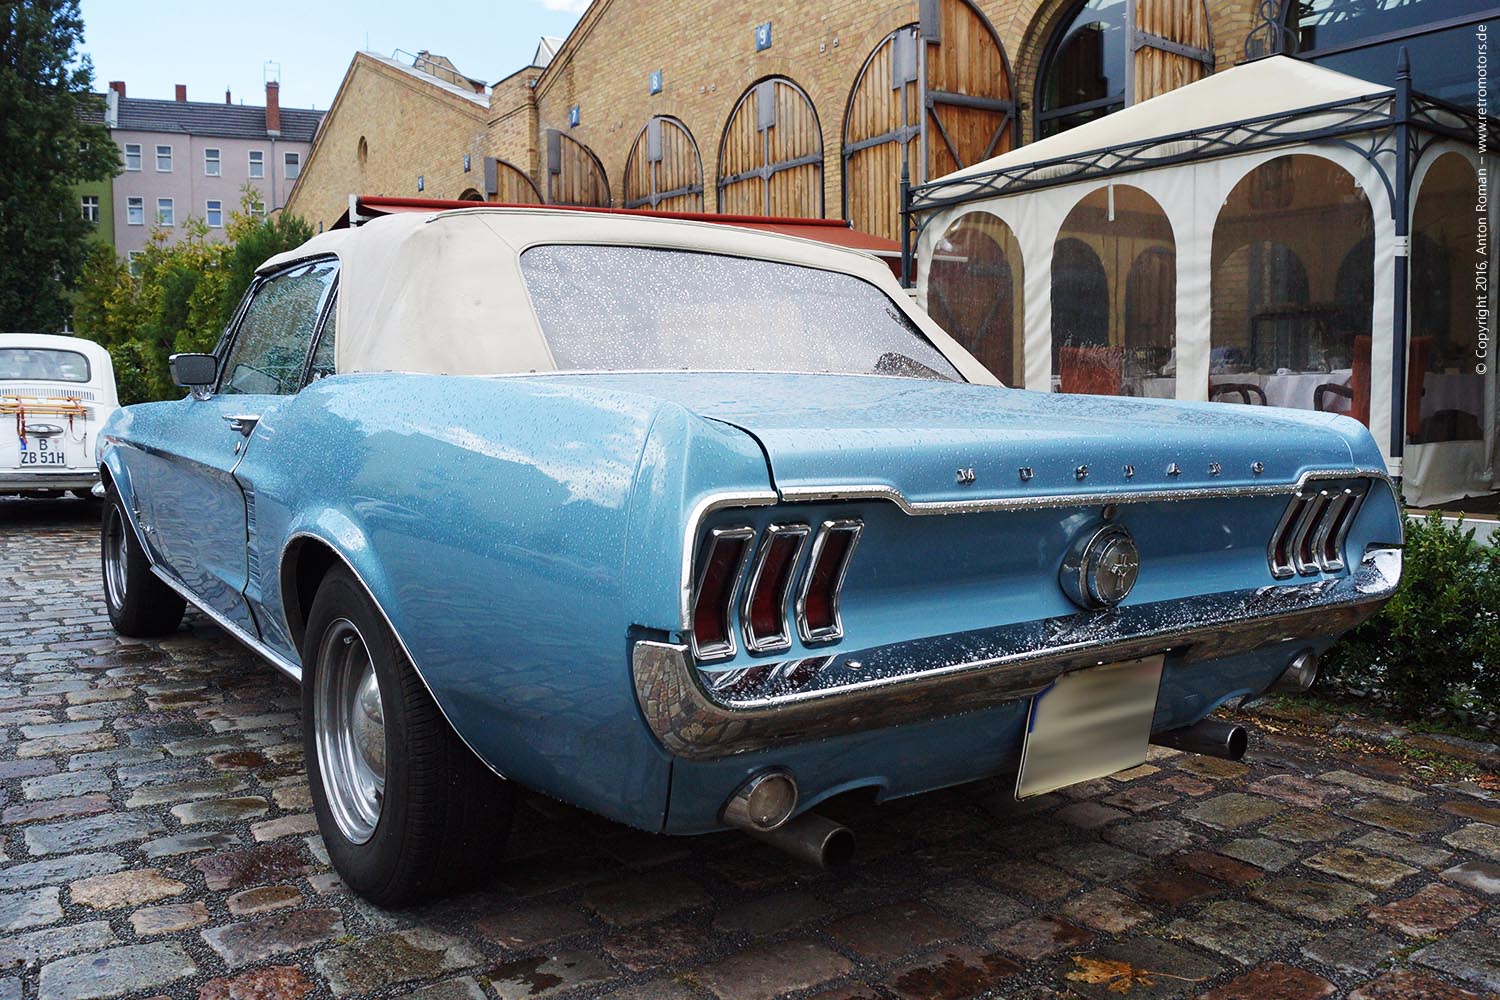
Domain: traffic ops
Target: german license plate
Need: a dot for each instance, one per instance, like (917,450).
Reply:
(1088,724)
(38,455)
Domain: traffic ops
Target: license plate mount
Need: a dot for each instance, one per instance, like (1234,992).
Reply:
(1088,724)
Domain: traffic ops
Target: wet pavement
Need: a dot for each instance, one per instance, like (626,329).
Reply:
(156,839)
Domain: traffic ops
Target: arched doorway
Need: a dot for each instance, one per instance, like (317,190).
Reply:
(664,170)
(771,159)
(574,174)
(509,184)
(934,96)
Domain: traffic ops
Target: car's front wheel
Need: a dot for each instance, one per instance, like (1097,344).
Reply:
(406,810)
(139,604)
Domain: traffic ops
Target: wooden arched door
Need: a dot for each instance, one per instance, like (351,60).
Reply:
(771,159)
(664,170)
(508,184)
(574,174)
(933,96)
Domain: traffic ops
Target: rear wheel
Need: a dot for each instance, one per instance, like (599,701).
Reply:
(140,605)
(405,808)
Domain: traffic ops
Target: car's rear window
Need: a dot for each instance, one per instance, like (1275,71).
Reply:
(43,364)
(606,308)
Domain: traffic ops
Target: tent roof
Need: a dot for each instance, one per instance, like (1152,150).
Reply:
(1279,85)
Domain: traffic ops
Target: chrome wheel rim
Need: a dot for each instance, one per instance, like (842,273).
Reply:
(115,555)
(349,728)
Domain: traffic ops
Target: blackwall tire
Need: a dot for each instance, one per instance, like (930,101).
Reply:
(140,605)
(406,810)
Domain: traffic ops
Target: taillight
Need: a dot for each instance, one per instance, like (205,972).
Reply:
(1312,531)
(818,602)
(722,565)
(764,612)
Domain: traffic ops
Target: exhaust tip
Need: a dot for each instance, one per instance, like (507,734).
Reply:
(1300,674)
(763,803)
(838,847)
(1236,743)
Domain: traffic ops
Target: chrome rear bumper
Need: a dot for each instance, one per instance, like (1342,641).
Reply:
(702,715)
(63,479)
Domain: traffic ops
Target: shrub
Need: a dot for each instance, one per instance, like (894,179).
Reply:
(1439,635)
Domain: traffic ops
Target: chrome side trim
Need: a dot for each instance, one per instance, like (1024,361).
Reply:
(405,649)
(722,650)
(831,633)
(256,646)
(897,683)
(783,639)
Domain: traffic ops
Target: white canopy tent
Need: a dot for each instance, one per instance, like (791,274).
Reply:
(1238,239)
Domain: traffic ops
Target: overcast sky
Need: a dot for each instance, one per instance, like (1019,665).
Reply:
(208,45)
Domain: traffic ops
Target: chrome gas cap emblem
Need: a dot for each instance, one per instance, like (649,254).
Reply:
(1101,567)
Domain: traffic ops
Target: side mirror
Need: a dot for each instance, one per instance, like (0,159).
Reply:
(194,371)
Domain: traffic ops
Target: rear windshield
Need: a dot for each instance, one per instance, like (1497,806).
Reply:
(605,308)
(43,364)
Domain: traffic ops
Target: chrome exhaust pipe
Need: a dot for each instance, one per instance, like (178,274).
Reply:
(1208,737)
(1300,674)
(812,839)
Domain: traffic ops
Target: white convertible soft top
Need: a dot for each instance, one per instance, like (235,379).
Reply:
(442,292)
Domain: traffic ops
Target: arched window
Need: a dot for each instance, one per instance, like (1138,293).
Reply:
(1293,289)
(965,101)
(574,174)
(771,159)
(1114,296)
(1083,71)
(471,195)
(1444,391)
(664,170)
(974,291)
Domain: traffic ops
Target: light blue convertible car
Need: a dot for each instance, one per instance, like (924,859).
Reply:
(698,527)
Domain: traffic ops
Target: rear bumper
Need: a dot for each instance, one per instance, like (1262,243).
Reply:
(695,718)
(14,481)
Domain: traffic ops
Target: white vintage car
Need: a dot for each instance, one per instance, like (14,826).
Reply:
(55,394)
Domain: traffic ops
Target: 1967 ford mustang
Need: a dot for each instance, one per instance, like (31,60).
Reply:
(697,527)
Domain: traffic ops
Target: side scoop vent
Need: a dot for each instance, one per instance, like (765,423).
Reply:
(1309,538)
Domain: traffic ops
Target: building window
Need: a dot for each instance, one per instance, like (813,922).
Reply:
(1083,72)
(258,209)
(135,262)
(91,208)
(132,156)
(211,163)
(165,212)
(135,211)
(257,163)
(164,159)
(293,163)
(215,214)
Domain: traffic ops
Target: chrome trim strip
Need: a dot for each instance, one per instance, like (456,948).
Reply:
(783,639)
(830,633)
(1312,515)
(256,646)
(893,686)
(721,650)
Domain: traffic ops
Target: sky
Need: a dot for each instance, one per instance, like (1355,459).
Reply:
(155,44)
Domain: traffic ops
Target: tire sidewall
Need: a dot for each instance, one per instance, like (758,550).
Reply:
(366,867)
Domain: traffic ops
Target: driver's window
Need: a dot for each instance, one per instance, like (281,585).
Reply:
(270,347)
(322,362)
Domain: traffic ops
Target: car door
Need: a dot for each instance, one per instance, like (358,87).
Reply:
(198,509)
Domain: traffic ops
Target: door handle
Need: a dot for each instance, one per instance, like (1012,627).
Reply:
(242,422)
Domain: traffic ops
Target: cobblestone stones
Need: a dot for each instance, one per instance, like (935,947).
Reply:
(157,841)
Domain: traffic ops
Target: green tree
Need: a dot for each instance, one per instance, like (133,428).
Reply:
(50,144)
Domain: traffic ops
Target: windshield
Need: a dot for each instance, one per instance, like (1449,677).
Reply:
(605,308)
(40,364)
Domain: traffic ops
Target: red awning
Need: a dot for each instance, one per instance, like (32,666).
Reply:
(835,231)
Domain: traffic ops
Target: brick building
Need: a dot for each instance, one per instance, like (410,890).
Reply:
(792,108)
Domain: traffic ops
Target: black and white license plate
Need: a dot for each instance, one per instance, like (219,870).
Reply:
(37,455)
(1088,724)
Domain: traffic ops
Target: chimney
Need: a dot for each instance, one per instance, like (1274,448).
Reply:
(182,91)
(118,86)
(273,107)
(227,99)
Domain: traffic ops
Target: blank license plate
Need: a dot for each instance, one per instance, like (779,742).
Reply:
(1088,724)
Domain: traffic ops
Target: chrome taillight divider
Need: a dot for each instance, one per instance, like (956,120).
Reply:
(1309,538)
(830,626)
(775,535)
(720,649)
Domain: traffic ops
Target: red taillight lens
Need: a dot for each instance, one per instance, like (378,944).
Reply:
(818,604)
(718,581)
(765,605)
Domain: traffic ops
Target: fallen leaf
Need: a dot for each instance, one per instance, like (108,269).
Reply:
(1117,976)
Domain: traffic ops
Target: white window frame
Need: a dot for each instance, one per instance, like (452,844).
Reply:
(213,166)
(139,156)
(135,202)
(291,165)
(257,163)
(133,261)
(210,208)
(171,207)
(168,148)
(90,216)
(258,208)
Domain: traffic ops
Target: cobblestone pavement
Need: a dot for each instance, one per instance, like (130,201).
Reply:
(157,841)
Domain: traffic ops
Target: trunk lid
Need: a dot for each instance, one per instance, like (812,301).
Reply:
(923,438)
(43,430)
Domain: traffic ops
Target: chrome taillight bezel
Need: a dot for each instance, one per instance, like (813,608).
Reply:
(833,631)
(782,640)
(1310,535)
(716,536)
